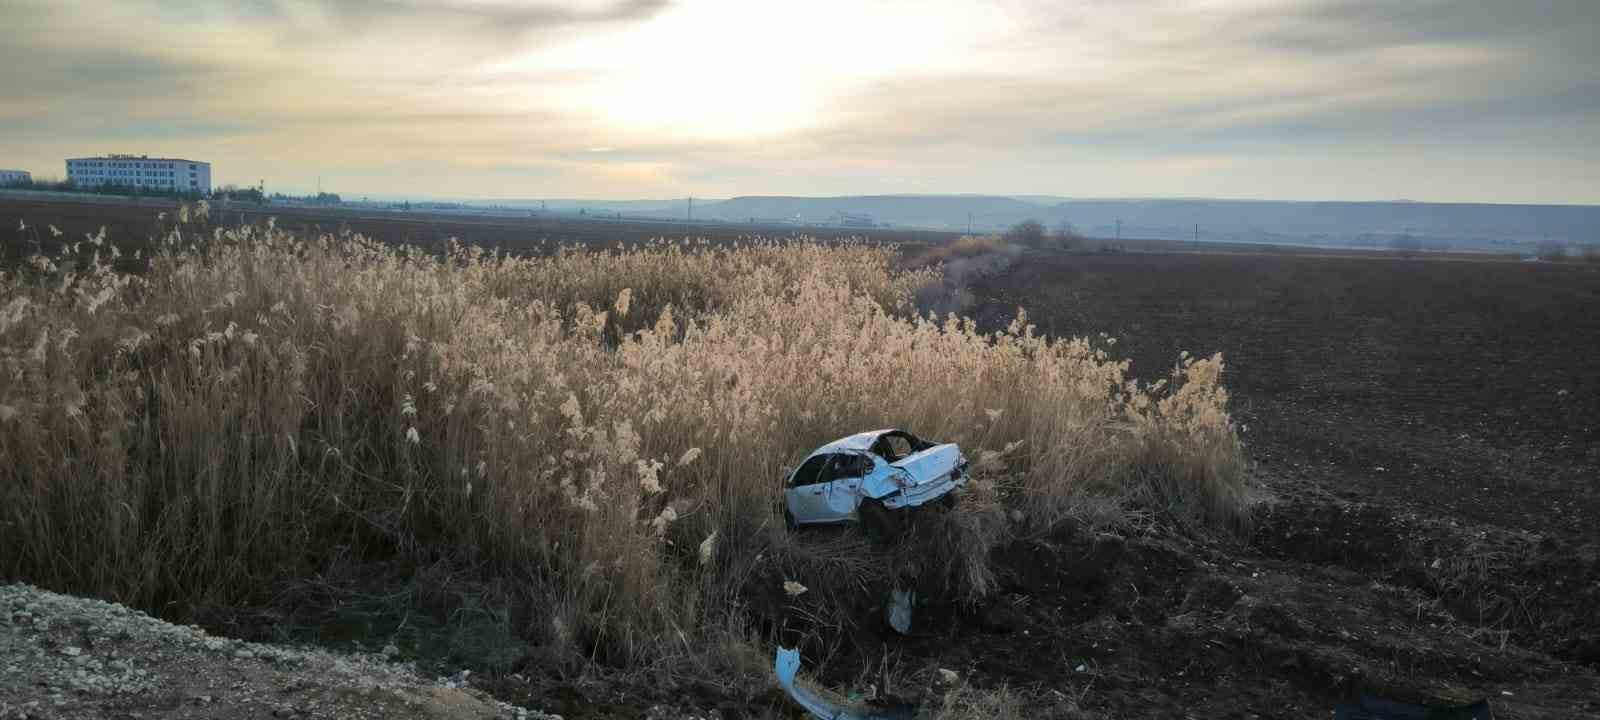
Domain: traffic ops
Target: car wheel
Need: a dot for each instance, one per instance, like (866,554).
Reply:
(788,520)
(948,500)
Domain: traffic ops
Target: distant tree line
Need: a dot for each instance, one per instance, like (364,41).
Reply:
(321,198)
(237,194)
(67,186)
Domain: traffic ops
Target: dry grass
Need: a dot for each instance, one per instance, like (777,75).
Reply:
(964,247)
(602,430)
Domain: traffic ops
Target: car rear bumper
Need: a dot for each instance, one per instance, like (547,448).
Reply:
(925,492)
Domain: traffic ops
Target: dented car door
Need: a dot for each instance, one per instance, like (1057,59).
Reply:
(845,475)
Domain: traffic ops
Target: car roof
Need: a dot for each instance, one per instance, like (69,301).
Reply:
(858,441)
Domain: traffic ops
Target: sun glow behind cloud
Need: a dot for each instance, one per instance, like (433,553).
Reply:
(738,71)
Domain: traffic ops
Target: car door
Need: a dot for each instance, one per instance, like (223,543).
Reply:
(806,495)
(843,478)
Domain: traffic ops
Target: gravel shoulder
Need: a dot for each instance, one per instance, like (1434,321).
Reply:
(70,657)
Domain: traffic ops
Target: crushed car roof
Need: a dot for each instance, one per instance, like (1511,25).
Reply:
(858,441)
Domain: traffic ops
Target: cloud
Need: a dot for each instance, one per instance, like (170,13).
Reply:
(1264,76)
(1135,97)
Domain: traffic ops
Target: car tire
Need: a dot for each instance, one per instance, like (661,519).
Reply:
(789,521)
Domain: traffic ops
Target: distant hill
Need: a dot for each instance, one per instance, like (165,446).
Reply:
(1459,226)
(1350,222)
(634,206)
(1438,225)
(945,212)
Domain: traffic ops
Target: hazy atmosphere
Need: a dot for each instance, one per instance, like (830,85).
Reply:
(1472,100)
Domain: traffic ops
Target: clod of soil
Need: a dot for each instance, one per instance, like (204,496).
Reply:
(65,657)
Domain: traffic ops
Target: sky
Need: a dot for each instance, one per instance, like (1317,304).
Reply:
(1460,100)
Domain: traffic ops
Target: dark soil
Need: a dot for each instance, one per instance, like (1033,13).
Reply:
(1428,436)
(1457,389)
(1329,599)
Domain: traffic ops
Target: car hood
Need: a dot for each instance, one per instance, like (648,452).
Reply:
(931,464)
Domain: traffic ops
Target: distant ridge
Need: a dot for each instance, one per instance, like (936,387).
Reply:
(1460,225)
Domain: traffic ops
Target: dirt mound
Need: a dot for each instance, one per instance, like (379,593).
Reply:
(68,657)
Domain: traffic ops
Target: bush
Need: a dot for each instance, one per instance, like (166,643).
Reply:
(602,431)
(1028,233)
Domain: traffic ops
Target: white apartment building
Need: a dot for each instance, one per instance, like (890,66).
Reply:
(165,174)
(11,177)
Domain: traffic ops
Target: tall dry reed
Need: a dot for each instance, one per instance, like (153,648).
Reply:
(607,430)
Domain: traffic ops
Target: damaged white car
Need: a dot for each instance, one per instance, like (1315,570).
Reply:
(867,476)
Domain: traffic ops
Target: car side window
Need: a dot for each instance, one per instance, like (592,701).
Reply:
(846,465)
(810,472)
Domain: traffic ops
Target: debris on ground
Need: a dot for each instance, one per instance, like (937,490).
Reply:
(787,666)
(900,604)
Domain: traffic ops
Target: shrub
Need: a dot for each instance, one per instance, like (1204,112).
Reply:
(1028,233)
(965,247)
(603,431)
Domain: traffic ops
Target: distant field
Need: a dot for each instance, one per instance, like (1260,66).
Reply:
(130,224)
(1467,387)
(133,221)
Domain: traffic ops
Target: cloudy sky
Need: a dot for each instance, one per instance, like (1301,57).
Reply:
(1458,100)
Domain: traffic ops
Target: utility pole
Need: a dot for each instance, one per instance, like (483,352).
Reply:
(1197,233)
(1119,229)
(691,209)
(969,222)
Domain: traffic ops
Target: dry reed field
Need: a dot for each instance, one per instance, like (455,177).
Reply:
(597,435)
